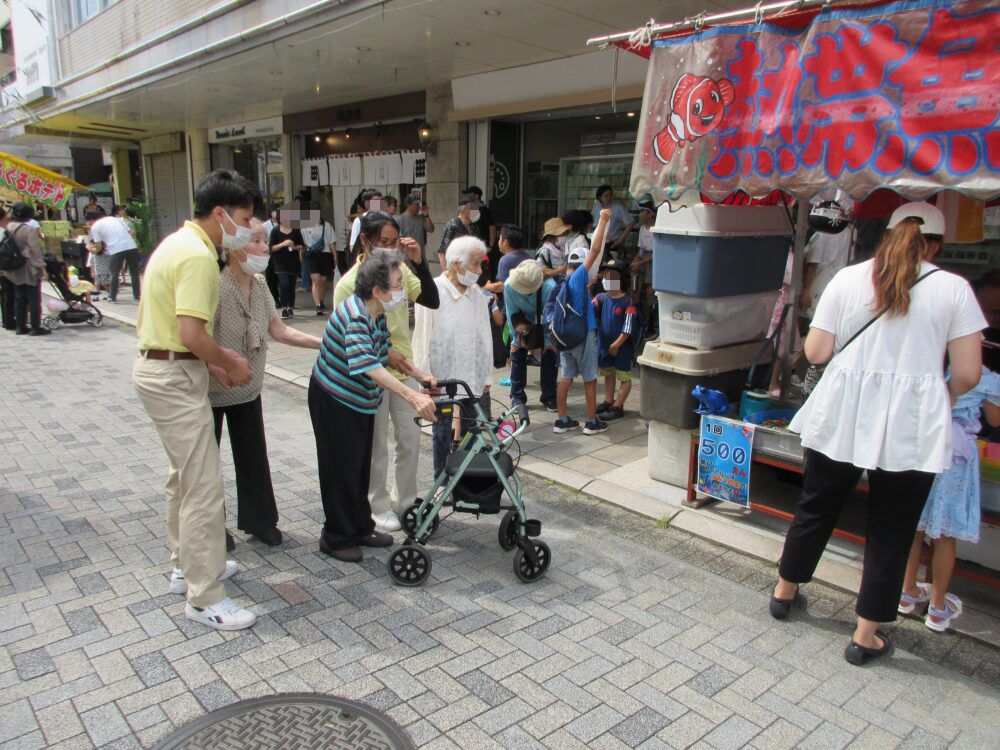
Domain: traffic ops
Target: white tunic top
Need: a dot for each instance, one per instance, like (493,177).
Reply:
(883,403)
(454,341)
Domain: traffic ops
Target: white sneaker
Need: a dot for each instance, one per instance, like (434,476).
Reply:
(179,586)
(224,615)
(387,522)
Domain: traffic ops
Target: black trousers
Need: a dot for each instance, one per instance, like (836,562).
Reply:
(271,277)
(895,501)
(344,453)
(519,375)
(131,257)
(27,305)
(443,431)
(256,509)
(286,288)
(7,294)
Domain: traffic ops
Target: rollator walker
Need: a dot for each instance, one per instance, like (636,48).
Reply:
(475,477)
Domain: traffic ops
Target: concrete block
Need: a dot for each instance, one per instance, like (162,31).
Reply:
(669,453)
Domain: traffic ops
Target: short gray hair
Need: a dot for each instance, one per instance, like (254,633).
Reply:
(376,271)
(464,249)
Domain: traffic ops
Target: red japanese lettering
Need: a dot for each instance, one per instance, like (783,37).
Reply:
(853,59)
(21,183)
(842,134)
(35,187)
(10,176)
(47,190)
(951,82)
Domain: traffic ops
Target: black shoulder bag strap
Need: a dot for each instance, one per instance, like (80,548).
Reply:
(867,325)
(538,304)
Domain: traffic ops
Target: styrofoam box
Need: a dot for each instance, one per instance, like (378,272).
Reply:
(689,361)
(710,322)
(708,250)
(669,453)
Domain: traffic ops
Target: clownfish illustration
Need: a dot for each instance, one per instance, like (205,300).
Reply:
(697,107)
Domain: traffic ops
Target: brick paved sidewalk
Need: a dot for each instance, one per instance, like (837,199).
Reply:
(626,643)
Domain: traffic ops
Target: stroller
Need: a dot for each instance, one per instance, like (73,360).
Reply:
(77,309)
(474,479)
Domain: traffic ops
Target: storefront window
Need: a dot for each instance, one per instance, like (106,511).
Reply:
(261,162)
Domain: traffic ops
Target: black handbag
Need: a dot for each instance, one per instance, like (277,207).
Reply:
(535,336)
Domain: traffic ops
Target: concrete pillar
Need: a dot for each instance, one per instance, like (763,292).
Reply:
(199,156)
(447,163)
(121,176)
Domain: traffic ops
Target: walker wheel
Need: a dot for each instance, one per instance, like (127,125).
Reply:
(51,322)
(508,533)
(409,565)
(412,520)
(525,570)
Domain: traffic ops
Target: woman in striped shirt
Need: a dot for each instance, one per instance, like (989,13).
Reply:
(344,394)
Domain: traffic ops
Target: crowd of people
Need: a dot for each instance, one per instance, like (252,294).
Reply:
(884,405)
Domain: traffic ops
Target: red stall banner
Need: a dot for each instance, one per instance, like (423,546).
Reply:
(902,96)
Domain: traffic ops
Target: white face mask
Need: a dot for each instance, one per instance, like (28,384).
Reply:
(467,278)
(255,263)
(473,216)
(236,241)
(612,285)
(398,298)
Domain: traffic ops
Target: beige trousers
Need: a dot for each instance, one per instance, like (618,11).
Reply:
(405,455)
(175,395)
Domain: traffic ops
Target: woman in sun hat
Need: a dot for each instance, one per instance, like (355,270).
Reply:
(551,255)
(525,293)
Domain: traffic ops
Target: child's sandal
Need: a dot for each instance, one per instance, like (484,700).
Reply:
(909,604)
(938,620)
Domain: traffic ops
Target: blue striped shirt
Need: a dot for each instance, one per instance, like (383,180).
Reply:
(353,344)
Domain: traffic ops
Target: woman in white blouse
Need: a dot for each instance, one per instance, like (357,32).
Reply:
(883,406)
(244,319)
(454,341)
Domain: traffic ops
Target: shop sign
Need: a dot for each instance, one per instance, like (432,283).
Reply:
(905,96)
(243,130)
(33,185)
(31,23)
(724,452)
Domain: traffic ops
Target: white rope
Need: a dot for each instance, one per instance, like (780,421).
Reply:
(643,36)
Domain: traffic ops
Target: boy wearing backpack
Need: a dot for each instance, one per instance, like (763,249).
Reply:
(575,320)
(617,324)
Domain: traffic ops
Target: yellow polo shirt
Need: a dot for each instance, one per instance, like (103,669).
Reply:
(398,321)
(181,278)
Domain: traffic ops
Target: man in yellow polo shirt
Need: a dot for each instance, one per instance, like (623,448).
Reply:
(176,351)
(379,229)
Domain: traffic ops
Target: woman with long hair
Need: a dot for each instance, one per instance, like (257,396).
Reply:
(882,406)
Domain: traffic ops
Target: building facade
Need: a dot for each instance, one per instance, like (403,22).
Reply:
(503,95)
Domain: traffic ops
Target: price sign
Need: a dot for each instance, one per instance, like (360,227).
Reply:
(724,451)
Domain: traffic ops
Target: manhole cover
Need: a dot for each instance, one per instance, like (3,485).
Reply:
(291,721)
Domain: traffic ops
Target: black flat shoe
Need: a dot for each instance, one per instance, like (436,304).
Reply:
(780,607)
(230,542)
(859,655)
(271,537)
(376,539)
(344,554)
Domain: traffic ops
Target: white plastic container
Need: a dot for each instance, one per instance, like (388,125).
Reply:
(710,322)
(687,361)
(708,250)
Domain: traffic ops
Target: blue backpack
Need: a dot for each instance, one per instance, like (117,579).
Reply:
(566,325)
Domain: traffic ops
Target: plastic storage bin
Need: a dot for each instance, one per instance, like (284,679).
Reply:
(710,322)
(681,359)
(708,250)
(666,388)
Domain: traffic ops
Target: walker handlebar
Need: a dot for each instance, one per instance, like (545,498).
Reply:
(450,387)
